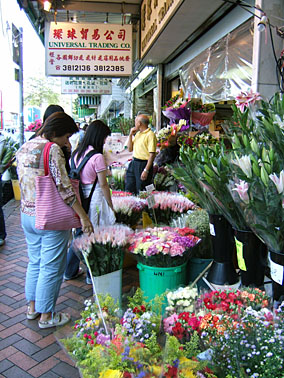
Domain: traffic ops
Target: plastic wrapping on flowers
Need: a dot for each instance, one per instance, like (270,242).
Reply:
(128,209)
(104,248)
(168,206)
(163,246)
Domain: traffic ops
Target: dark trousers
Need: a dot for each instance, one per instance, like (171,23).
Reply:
(134,184)
(2,221)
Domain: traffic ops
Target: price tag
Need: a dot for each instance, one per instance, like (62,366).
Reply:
(240,256)
(276,272)
(212,229)
(150,188)
(151,201)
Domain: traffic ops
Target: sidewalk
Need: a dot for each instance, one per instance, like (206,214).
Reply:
(25,350)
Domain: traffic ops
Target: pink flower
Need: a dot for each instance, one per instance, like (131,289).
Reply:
(242,189)
(244,99)
(170,322)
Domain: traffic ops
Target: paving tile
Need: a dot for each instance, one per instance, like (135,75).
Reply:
(63,356)
(61,299)
(30,335)
(4,365)
(20,297)
(26,346)
(49,374)
(16,280)
(7,352)
(22,360)
(14,286)
(15,372)
(7,300)
(3,317)
(43,367)
(19,303)
(66,371)
(9,341)
(20,310)
(46,341)
(14,320)
(11,330)
(46,352)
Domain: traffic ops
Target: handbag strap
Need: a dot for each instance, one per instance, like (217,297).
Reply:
(46,157)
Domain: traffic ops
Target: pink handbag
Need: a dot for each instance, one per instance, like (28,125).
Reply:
(52,213)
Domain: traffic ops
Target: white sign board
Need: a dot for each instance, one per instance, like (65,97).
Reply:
(86,85)
(88,49)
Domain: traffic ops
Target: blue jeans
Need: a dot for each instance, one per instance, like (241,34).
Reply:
(47,260)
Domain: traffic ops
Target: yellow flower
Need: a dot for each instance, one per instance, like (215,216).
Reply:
(110,373)
(187,366)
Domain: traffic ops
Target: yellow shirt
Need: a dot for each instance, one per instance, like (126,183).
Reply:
(143,143)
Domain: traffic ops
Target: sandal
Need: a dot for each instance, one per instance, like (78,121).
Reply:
(78,274)
(32,315)
(57,319)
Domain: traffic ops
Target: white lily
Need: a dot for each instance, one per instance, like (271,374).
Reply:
(278,181)
(245,164)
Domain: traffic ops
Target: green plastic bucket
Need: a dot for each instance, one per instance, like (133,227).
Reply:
(154,280)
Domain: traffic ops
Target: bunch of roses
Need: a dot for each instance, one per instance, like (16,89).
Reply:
(162,240)
(182,325)
(128,210)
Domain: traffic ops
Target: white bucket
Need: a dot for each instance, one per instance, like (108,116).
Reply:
(111,284)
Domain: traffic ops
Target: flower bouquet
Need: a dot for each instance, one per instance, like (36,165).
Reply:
(104,248)
(202,114)
(168,206)
(128,209)
(167,136)
(177,108)
(163,246)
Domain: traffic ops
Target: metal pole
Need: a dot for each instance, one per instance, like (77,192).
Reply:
(21,91)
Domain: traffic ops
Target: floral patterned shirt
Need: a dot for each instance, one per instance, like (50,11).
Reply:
(30,165)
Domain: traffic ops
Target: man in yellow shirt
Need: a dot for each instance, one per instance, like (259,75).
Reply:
(143,142)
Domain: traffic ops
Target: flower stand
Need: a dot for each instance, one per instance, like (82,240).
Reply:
(156,280)
(222,271)
(252,258)
(110,283)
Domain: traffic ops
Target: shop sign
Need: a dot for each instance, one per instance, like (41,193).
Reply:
(86,85)
(155,14)
(88,49)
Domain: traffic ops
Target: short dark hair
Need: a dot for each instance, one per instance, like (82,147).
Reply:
(57,125)
(52,109)
(94,136)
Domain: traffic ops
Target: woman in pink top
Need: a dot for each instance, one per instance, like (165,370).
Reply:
(101,207)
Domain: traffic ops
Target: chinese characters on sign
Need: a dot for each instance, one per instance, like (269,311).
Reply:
(88,49)
(86,85)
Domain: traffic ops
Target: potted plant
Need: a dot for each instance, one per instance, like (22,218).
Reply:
(103,253)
